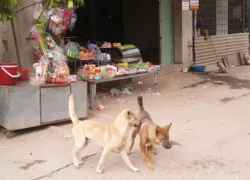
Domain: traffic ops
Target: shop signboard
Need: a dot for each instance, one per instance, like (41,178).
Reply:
(185,6)
(194,5)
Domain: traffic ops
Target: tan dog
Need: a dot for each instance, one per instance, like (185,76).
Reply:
(108,136)
(150,134)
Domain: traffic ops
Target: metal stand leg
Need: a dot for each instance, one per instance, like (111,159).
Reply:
(155,78)
(10,134)
(75,64)
(92,94)
(130,81)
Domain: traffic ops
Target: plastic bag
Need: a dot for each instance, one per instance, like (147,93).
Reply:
(38,11)
(58,30)
(57,19)
(59,56)
(59,12)
(72,21)
(40,68)
(43,59)
(72,78)
(73,46)
(68,14)
(37,53)
(62,70)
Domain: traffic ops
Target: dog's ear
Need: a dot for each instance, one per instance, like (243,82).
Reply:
(166,128)
(128,113)
(157,131)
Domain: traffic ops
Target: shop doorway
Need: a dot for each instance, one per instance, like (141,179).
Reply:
(126,21)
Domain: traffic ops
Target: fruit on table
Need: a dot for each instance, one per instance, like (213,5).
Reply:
(57,80)
(73,53)
(125,64)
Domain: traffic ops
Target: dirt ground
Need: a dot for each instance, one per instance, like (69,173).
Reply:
(210,133)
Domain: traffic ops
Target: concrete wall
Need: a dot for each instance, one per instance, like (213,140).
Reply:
(6,35)
(183,34)
(23,24)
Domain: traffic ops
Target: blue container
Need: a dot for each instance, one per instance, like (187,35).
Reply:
(198,68)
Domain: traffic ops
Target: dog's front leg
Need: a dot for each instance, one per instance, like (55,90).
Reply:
(126,159)
(150,151)
(145,156)
(104,155)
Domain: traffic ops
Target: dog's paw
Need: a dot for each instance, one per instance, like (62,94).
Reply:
(77,163)
(155,151)
(80,162)
(99,171)
(134,169)
(128,152)
(151,167)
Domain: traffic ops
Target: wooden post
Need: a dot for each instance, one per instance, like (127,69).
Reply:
(16,45)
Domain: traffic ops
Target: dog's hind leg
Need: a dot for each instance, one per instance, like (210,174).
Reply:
(126,159)
(133,136)
(79,146)
(105,153)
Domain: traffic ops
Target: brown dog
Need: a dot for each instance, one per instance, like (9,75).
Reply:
(150,134)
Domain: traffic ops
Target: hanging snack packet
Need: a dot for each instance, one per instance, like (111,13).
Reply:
(72,21)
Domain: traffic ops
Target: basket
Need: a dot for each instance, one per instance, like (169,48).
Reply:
(23,74)
(198,68)
(83,76)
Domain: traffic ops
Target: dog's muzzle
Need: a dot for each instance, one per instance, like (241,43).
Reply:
(166,145)
(136,124)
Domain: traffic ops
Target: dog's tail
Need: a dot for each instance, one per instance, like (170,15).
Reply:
(140,103)
(72,109)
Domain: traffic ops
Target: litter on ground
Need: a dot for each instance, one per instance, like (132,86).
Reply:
(166,172)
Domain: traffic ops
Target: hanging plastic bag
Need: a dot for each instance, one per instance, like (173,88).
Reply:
(62,70)
(59,56)
(68,14)
(37,52)
(72,21)
(38,11)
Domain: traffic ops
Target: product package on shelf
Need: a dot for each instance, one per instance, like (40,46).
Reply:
(148,66)
(72,22)
(41,68)
(37,52)
(92,72)
(57,17)
(104,44)
(61,74)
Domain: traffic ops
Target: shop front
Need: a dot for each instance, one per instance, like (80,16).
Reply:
(121,48)
(149,25)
